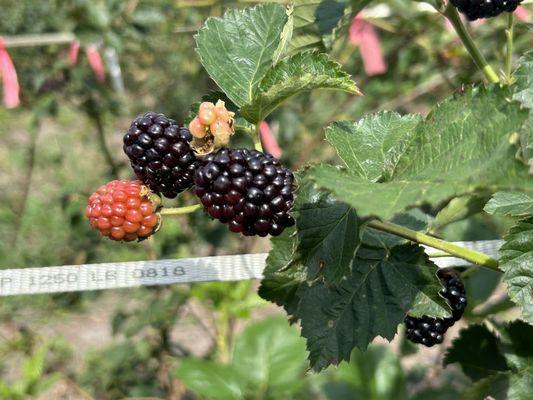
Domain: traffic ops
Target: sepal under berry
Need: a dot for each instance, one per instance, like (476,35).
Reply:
(246,189)
(124,211)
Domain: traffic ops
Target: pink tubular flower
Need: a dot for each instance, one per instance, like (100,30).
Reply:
(269,141)
(96,63)
(364,35)
(9,78)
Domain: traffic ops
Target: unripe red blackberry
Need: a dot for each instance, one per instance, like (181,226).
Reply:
(429,331)
(249,190)
(123,210)
(160,154)
(474,9)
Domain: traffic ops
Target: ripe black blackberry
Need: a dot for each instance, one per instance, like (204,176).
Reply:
(160,153)
(249,190)
(474,9)
(429,331)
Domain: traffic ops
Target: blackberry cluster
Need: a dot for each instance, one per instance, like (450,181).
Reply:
(247,189)
(474,9)
(160,154)
(430,331)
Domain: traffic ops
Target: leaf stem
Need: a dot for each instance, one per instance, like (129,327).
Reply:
(180,210)
(509,33)
(451,13)
(450,248)
(257,139)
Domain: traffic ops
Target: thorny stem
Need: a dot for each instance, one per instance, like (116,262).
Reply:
(450,248)
(509,32)
(180,210)
(257,139)
(453,16)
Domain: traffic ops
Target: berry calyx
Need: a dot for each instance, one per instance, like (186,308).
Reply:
(124,211)
(475,9)
(246,189)
(212,127)
(160,153)
(429,331)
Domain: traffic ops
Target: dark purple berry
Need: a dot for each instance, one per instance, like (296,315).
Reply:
(430,331)
(248,190)
(474,9)
(160,154)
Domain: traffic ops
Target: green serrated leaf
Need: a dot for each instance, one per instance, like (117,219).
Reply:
(462,147)
(238,49)
(282,277)
(383,287)
(382,199)
(371,147)
(301,72)
(524,80)
(286,36)
(514,204)
(328,234)
(317,23)
(477,351)
(516,260)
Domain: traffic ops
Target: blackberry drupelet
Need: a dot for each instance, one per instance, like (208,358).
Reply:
(429,331)
(249,190)
(160,154)
(474,9)
(124,211)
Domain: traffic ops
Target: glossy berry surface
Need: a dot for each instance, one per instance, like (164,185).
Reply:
(122,211)
(160,154)
(475,9)
(429,331)
(246,189)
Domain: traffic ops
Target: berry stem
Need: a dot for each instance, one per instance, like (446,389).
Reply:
(450,248)
(257,139)
(451,13)
(180,210)
(509,33)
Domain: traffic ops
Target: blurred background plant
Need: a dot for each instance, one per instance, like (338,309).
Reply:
(213,340)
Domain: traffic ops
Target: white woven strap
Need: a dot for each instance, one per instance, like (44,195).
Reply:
(71,278)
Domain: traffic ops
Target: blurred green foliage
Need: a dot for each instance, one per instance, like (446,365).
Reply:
(52,156)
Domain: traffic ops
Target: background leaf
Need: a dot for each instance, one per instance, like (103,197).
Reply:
(516,260)
(214,381)
(383,287)
(373,374)
(371,146)
(501,366)
(282,276)
(268,360)
(524,80)
(248,38)
(271,356)
(328,234)
(477,351)
(300,72)
(317,23)
(510,203)
(462,146)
